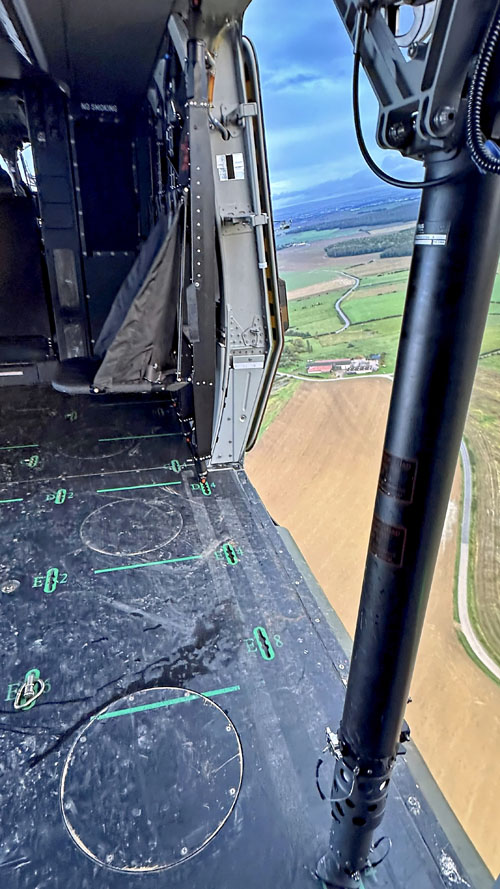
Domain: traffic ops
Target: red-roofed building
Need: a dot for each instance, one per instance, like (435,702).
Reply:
(319,368)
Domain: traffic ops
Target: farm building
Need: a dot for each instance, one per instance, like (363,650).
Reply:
(319,368)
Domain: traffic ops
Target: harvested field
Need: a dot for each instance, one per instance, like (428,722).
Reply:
(305,259)
(328,438)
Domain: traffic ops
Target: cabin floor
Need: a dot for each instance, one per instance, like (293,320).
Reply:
(190,670)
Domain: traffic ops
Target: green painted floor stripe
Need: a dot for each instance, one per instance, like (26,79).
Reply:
(157,704)
(361,885)
(14,500)
(133,487)
(15,447)
(145,564)
(152,435)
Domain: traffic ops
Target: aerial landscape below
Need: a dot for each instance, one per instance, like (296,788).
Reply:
(346,290)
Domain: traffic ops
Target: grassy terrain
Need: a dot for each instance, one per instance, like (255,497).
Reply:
(396,278)
(363,308)
(284,238)
(483,441)
(378,336)
(491,338)
(474,657)
(315,314)
(297,280)
(281,393)
(315,318)
(456,570)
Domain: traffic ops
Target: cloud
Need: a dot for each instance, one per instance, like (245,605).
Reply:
(295,78)
(305,61)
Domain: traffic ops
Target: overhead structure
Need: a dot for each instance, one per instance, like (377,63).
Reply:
(145,132)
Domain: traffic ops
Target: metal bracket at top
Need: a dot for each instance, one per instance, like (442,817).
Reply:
(236,114)
(235,216)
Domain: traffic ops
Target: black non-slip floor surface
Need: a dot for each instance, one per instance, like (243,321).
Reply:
(189,670)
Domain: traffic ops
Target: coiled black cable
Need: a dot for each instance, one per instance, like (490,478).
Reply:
(390,180)
(476,140)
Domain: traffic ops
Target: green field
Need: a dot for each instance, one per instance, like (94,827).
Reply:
(285,238)
(363,308)
(315,314)
(313,322)
(282,391)
(396,278)
(491,338)
(297,280)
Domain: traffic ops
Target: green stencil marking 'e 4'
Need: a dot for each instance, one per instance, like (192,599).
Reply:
(50,580)
(60,496)
(204,486)
(229,552)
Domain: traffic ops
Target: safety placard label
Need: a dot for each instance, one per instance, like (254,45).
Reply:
(397,477)
(387,542)
(432,234)
(230,166)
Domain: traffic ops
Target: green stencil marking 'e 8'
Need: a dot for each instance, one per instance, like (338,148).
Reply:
(264,643)
(261,641)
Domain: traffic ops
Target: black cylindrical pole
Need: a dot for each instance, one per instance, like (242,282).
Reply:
(449,289)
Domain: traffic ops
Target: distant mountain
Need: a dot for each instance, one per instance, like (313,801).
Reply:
(361,187)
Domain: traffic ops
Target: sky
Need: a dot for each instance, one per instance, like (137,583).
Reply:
(305,59)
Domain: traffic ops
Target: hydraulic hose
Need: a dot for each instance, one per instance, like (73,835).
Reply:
(476,141)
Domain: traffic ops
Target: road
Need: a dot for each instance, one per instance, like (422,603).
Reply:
(342,315)
(463,612)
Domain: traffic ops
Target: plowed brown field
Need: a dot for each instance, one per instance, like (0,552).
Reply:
(328,441)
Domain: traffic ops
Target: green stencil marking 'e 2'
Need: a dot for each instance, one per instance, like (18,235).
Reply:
(50,580)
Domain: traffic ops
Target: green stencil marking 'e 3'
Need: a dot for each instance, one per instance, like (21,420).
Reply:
(25,702)
(174,465)
(32,462)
